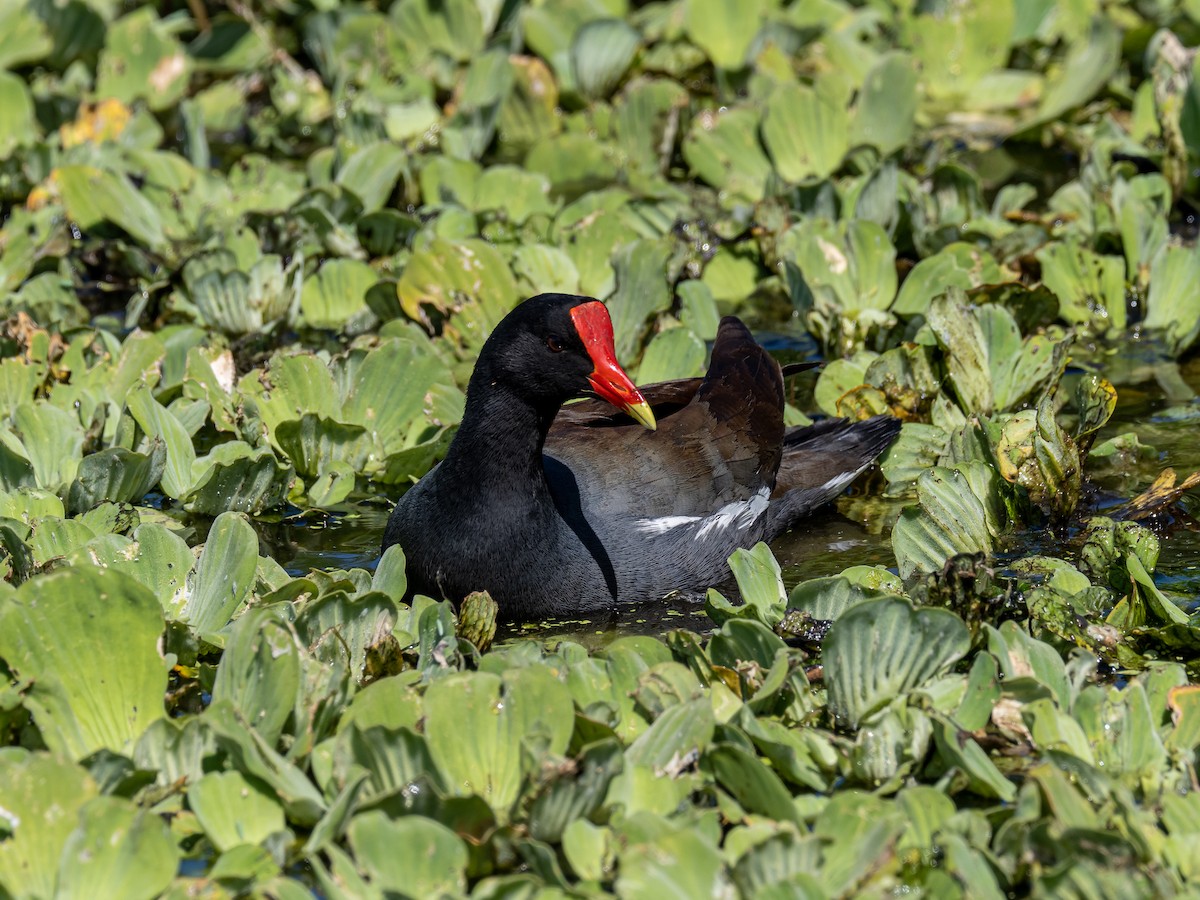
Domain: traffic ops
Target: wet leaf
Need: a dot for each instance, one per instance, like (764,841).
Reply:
(116,475)
(1096,399)
(1090,287)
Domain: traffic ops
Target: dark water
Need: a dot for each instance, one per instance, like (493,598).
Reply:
(1153,403)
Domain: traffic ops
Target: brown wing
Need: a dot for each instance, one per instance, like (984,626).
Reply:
(664,397)
(719,438)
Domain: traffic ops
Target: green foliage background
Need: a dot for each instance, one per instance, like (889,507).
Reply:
(249,253)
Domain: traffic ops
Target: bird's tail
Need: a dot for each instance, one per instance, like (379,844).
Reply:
(820,460)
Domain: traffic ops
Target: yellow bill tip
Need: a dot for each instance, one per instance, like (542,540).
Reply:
(642,413)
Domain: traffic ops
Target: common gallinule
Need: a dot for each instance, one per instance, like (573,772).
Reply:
(560,510)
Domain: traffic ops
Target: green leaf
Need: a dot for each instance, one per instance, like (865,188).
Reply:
(1089,63)
(1090,287)
(24,37)
(959,511)
(118,852)
(1172,307)
(390,577)
(780,866)
(731,275)
(57,623)
(1164,610)
(957,47)
(469,277)
(142,60)
(641,292)
(843,270)
(825,599)
(760,584)
(479,97)
(157,557)
(677,864)
(250,754)
(371,173)
(259,672)
(243,303)
(53,442)
(806,129)
(673,353)
(1096,399)
(588,849)
(684,729)
(236,477)
(412,856)
(394,759)
(158,422)
(336,296)
(723,29)
(958,265)
(335,626)
(543,269)
(116,475)
(92,196)
(224,576)
(752,783)
(601,53)
(723,150)
(576,792)
(499,713)
(42,800)
(453,27)
(960,750)
(880,649)
(234,811)
(18,127)
(885,114)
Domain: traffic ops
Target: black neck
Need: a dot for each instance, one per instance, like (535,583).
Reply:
(501,436)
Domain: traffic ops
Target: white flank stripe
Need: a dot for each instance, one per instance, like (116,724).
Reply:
(739,514)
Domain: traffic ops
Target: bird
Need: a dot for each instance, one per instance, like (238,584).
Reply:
(558,508)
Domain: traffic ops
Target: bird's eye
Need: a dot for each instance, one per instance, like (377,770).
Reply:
(554,343)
